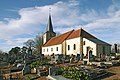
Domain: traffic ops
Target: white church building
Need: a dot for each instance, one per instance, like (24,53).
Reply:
(73,42)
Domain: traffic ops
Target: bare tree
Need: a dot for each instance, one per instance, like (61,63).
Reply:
(38,43)
(30,43)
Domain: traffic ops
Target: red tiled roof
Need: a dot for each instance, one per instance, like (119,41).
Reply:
(80,32)
(58,39)
(68,35)
(74,34)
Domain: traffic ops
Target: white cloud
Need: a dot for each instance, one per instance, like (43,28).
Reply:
(32,20)
(65,15)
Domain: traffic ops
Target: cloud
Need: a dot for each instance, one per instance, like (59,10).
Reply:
(65,15)
(33,20)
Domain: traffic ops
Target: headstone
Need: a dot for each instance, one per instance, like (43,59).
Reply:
(53,70)
(26,69)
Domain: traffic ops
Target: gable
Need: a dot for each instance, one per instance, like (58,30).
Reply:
(80,33)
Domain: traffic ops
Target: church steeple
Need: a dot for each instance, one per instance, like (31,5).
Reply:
(49,25)
(49,32)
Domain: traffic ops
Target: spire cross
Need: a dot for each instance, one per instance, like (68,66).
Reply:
(49,10)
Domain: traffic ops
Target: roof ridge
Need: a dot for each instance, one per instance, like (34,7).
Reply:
(62,34)
(69,34)
(64,38)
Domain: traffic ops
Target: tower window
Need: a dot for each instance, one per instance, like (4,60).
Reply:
(74,47)
(56,48)
(84,43)
(68,47)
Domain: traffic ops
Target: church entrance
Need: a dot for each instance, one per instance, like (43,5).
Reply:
(89,53)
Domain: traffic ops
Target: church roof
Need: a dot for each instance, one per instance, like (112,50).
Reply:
(98,41)
(80,32)
(58,39)
(72,34)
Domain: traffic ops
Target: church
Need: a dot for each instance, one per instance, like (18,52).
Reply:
(73,42)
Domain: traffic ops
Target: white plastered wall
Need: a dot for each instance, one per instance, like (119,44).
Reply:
(49,52)
(90,44)
(71,42)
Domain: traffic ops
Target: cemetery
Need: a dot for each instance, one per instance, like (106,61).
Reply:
(58,66)
(74,55)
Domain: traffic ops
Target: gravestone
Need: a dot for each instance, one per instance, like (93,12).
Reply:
(26,70)
(53,70)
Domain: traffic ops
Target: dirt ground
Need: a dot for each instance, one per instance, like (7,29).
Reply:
(114,73)
(42,78)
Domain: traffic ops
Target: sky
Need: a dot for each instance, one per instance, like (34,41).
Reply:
(21,20)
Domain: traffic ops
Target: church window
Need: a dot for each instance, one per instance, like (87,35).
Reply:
(56,48)
(68,47)
(43,50)
(84,43)
(47,49)
(74,47)
(51,49)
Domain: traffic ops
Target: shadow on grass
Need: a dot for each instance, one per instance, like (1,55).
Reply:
(104,76)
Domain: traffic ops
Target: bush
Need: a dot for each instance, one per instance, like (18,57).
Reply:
(73,73)
(37,63)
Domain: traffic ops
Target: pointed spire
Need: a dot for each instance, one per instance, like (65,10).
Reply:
(49,25)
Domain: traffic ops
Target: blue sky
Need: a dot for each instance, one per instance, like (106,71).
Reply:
(21,20)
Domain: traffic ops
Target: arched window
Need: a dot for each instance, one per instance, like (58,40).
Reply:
(74,47)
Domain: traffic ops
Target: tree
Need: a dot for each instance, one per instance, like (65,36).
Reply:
(30,43)
(38,43)
(1,54)
(14,53)
(116,48)
(14,50)
(24,50)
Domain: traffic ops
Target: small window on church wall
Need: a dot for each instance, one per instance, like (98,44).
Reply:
(43,50)
(68,47)
(84,43)
(56,48)
(47,49)
(51,49)
(74,47)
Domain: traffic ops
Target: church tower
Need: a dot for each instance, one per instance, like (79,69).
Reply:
(49,31)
